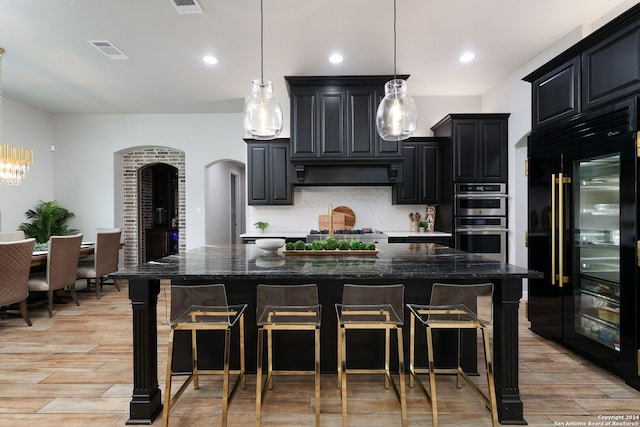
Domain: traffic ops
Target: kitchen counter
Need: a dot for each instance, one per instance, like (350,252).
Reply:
(242,267)
(426,234)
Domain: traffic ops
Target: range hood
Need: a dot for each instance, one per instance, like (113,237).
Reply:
(347,173)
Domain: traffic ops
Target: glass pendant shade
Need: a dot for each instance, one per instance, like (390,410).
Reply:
(263,117)
(397,115)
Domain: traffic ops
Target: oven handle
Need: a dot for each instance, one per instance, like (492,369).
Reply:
(482,230)
(481,196)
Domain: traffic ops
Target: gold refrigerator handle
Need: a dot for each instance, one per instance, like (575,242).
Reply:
(553,229)
(560,228)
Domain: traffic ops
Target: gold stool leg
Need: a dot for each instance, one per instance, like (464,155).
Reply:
(270,358)
(194,359)
(387,371)
(167,387)
(339,356)
(317,376)
(225,377)
(403,398)
(432,377)
(242,357)
(259,378)
(490,379)
(412,350)
(342,349)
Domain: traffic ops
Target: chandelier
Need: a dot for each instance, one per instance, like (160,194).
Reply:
(14,161)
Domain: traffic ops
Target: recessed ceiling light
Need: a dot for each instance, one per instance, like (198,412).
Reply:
(336,58)
(467,57)
(209,59)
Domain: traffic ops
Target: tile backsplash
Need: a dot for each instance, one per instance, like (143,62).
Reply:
(371,205)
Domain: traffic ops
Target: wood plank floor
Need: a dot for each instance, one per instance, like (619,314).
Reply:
(75,370)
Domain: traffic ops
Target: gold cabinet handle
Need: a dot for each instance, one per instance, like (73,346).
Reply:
(553,229)
(560,228)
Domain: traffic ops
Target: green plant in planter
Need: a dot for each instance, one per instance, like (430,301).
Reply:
(260,225)
(422,224)
(47,219)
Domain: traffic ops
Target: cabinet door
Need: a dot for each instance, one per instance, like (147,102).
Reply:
(303,123)
(611,68)
(268,174)
(279,174)
(480,150)
(493,151)
(556,94)
(332,130)
(466,147)
(362,135)
(408,191)
(429,174)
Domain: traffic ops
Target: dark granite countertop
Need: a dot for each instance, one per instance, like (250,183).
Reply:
(393,261)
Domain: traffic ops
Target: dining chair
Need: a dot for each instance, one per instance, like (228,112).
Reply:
(15,265)
(282,308)
(11,236)
(372,307)
(105,259)
(454,307)
(62,263)
(202,309)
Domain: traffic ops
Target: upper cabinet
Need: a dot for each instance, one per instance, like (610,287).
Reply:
(334,118)
(479,146)
(601,68)
(556,95)
(421,172)
(268,172)
(611,68)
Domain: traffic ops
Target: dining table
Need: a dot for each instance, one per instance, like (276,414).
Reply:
(39,257)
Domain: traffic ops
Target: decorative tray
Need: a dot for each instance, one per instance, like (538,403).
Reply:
(313,252)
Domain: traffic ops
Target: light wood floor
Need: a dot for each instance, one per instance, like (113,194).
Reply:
(75,370)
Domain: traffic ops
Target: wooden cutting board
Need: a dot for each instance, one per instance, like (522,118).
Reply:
(349,216)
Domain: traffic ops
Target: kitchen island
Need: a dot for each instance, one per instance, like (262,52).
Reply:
(242,267)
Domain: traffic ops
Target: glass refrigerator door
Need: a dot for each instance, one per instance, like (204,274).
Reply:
(597,247)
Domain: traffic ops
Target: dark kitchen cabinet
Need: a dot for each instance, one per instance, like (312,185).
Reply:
(334,118)
(421,172)
(479,146)
(611,68)
(556,95)
(269,173)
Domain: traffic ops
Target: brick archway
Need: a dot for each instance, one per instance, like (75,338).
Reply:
(132,162)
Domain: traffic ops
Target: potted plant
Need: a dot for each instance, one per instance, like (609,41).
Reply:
(422,225)
(260,225)
(47,219)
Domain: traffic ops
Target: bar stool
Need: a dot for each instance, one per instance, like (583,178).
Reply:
(454,307)
(377,307)
(286,308)
(204,308)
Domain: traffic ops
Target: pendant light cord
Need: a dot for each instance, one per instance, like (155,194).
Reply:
(262,42)
(394,39)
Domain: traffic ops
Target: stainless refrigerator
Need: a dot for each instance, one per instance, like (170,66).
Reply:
(582,233)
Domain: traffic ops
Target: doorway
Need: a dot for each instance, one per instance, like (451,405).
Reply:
(158,211)
(225,202)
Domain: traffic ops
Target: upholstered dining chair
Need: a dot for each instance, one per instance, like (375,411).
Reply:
(104,261)
(11,236)
(15,264)
(62,263)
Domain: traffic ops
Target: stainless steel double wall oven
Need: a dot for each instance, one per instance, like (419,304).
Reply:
(480,219)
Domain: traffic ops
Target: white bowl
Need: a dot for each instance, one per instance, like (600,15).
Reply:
(270,245)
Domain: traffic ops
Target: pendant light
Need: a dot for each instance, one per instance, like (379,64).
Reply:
(262,112)
(397,115)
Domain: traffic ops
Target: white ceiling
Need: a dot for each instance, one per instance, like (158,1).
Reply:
(49,63)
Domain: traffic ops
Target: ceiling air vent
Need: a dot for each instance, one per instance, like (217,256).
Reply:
(186,6)
(108,49)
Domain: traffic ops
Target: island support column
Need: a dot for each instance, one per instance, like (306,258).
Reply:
(146,399)
(506,358)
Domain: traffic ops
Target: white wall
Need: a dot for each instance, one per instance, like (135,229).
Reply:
(84,159)
(26,127)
